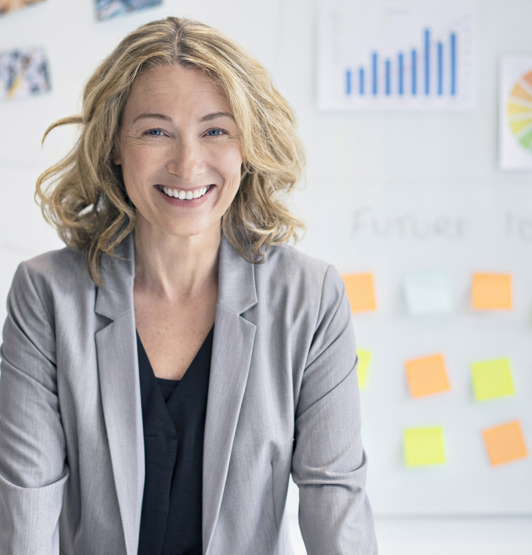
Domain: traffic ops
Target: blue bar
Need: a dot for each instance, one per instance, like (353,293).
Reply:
(401,73)
(375,90)
(361,80)
(427,61)
(348,82)
(388,66)
(414,72)
(440,68)
(453,64)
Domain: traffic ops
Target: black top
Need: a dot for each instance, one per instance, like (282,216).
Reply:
(173,413)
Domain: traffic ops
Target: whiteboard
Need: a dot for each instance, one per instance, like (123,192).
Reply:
(429,184)
(457,230)
(431,208)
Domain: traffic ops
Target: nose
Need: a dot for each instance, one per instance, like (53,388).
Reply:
(185,160)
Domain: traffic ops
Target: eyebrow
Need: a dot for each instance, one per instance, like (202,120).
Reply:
(208,117)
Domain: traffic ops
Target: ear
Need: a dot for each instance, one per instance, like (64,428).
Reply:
(115,158)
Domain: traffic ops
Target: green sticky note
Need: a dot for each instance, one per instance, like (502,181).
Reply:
(364,358)
(424,446)
(492,379)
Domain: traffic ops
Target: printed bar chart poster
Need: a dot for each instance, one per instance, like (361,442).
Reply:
(515,126)
(395,55)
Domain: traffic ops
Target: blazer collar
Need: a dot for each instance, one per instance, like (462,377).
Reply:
(236,280)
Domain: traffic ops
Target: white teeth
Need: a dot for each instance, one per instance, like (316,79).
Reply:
(185,194)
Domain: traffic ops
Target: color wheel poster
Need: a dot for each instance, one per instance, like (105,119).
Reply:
(396,55)
(515,114)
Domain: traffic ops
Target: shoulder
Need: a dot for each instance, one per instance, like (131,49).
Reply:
(292,258)
(286,266)
(56,265)
(48,274)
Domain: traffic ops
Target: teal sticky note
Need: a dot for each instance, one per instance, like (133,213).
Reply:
(427,293)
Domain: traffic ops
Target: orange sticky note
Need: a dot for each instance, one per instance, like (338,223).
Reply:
(427,376)
(505,443)
(492,292)
(360,292)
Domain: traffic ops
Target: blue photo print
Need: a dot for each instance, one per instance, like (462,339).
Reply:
(24,73)
(106,9)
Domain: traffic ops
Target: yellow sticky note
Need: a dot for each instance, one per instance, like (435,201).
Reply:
(492,292)
(360,291)
(492,379)
(424,446)
(427,376)
(364,358)
(505,443)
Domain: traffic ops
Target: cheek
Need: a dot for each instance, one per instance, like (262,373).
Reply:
(140,160)
(231,163)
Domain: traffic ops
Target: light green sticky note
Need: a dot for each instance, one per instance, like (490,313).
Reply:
(364,358)
(424,446)
(492,379)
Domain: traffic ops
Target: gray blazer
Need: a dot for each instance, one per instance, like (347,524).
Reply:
(283,397)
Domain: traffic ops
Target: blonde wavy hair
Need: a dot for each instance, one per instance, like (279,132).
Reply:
(86,199)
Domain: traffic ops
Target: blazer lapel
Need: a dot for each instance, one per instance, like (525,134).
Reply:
(120,387)
(231,358)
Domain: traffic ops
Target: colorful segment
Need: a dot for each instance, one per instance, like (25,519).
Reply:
(519,110)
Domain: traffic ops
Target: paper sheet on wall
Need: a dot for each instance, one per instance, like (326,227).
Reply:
(424,446)
(427,376)
(505,443)
(396,55)
(107,9)
(24,73)
(364,359)
(515,114)
(427,293)
(492,379)
(8,6)
(360,292)
(491,291)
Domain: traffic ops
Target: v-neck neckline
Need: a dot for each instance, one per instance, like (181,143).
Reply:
(165,380)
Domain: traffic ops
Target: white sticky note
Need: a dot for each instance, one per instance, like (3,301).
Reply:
(427,293)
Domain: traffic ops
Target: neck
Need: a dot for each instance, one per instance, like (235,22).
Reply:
(174,268)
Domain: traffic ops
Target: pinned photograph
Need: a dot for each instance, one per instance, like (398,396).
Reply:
(7,6)
(24,73)
(106,9)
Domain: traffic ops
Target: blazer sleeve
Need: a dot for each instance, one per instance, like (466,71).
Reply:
(328,463)
(33,468)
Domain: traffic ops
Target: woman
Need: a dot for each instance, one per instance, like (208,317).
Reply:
(164,373)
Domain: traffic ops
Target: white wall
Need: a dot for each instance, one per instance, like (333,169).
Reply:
(351,158)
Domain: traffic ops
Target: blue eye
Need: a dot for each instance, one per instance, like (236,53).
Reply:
(150,130)
(216,132)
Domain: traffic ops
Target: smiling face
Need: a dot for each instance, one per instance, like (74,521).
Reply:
(178,135)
